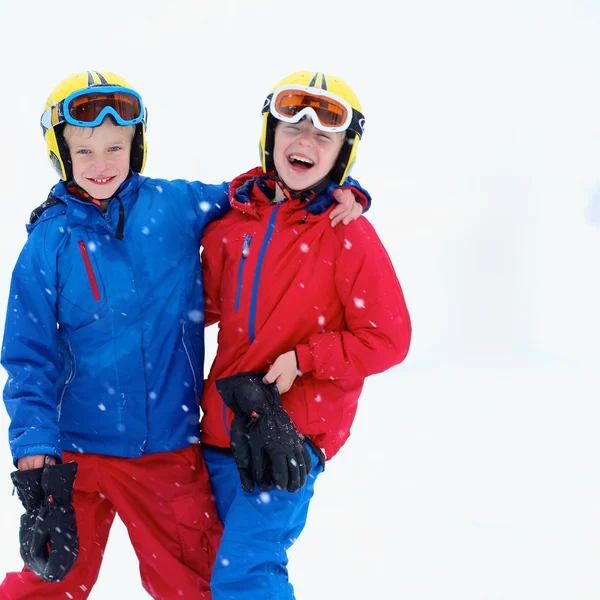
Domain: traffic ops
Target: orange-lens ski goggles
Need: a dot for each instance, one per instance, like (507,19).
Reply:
(327,111)
(90,106)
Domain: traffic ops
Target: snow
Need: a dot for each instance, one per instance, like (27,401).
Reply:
(472,469)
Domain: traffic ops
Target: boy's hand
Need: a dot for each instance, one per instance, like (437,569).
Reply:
(34,462)
(346,211)
(48,533)
(267,440)
(284,370)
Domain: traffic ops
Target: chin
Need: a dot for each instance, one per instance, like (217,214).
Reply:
(102,192)
(300,181)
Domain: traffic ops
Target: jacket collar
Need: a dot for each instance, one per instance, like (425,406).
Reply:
(254,189)
(62,190)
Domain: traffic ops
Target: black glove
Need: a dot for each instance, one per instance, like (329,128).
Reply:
(240,446)
(48,535)
(272,447)
(29,489)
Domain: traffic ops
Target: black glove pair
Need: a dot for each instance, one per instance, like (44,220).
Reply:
(48,535)
(265,443)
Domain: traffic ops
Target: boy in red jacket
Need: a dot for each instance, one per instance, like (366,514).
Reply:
(305,313)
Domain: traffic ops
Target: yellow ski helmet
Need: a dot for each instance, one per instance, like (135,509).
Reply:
(84,99)
(328,101)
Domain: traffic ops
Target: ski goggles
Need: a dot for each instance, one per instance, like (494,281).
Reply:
(327,111)
(90,106)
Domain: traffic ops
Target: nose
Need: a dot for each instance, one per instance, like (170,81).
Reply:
(100,164)
(305,139)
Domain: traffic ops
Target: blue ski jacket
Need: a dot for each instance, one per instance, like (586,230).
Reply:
(104,335)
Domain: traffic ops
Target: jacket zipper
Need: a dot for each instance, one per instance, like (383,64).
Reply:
(245,252)
(188,351)
(89,270)
(69,379)
(255,283)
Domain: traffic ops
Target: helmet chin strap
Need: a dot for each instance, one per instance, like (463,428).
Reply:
(303,195)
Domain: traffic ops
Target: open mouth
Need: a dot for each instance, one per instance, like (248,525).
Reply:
(101,180)
(301,162)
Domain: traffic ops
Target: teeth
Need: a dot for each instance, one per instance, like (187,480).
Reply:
(101,180)
(302,159)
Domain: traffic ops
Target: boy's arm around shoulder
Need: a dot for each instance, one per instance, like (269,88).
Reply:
(30,350)
(378,323)
(201,202)
(361,195)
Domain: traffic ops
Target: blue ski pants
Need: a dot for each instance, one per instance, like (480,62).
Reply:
(259,528)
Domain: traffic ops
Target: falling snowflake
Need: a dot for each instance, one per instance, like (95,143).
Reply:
(153,395)
(347,244)
(102,407)
(264,497)
(92,247)
(49,292)
(204,206)
(185,408)
(159,189)
(146,230)
(321,320)
(195,316)
(304,248)
(359,303)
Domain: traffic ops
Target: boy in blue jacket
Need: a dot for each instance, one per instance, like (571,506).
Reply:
(103,345)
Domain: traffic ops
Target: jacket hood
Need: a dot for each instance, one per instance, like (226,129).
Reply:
(61,201)
(253,189)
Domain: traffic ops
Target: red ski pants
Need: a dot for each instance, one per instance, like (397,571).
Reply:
(166,503)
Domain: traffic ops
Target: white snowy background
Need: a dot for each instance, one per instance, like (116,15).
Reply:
(473,471)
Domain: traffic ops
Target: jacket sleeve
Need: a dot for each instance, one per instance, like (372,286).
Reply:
(203,202)
(360,194)
(378,327)
(30,353)
(212,258)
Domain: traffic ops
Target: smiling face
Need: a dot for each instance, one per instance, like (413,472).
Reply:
(100,157)
(304,155)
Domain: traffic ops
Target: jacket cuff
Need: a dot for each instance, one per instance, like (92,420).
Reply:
(304,358)
(360,196)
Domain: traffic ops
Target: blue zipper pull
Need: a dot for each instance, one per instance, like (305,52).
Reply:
(246,246)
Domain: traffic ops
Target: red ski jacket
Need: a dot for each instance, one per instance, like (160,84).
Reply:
(277,276)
